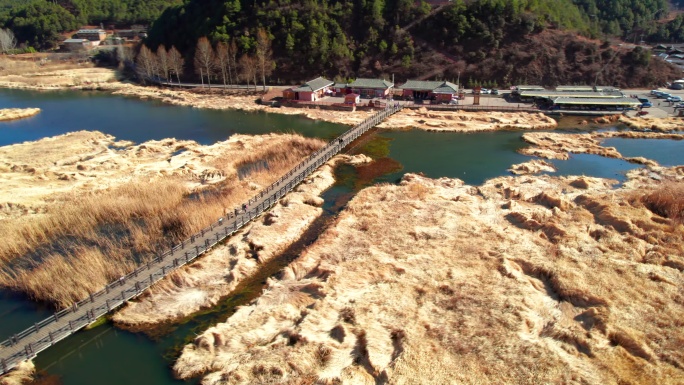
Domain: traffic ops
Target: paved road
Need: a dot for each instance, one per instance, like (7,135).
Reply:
(42,335)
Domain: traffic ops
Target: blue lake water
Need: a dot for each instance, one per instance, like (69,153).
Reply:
(666,152)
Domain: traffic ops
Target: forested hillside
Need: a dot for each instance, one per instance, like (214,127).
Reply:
(475,39)
(39,23)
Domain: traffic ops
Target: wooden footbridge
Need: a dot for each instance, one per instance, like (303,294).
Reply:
(41,335)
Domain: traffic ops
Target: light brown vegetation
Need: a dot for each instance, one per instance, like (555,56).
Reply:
(70,235)
(42,75)
(22,374)
(534,166)
(667,201)
(523,280)
(17,113)
(465,121)
(655,124)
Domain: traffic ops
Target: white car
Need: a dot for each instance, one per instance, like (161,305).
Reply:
(674,99)
(485,91)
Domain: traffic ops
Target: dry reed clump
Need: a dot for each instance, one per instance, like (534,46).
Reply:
(667,201)
(21,374)
(433,284)
(88,238)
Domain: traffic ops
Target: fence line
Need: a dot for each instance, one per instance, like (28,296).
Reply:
(41,335)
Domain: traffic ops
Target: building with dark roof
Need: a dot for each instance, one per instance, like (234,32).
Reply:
(76,45)
(310,91)
(430,89)
(371,88)
(91,34)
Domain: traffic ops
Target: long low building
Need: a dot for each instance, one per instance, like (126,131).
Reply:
(550,95)
(608,104)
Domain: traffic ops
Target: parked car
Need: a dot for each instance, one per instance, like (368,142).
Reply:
(653,92)
(646,104)
(679,105)
(674,99)
(664,95)
(484,91)
(495,91)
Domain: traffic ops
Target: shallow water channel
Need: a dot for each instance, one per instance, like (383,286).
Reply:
(105,355)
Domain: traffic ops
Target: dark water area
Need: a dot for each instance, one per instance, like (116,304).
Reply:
(666,152)
(108,356)
(141,120)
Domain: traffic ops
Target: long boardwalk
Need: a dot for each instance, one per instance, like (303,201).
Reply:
(42,335)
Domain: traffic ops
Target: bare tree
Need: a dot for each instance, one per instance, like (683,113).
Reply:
(7,40)
(146,63)
(176,62)
(204,59)
(248,69)
(264,55)
(223,60)
(163,65)
(232,60)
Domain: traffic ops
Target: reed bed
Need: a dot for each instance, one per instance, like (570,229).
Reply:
(86,241)
(667,201)
(429,282)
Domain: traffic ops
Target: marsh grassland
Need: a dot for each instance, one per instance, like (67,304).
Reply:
(81,209)
(522,280)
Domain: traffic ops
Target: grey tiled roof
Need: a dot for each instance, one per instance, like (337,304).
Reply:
(421,85)
(446,88)
(371,83)
(599,101)
(314,85)
(436,86)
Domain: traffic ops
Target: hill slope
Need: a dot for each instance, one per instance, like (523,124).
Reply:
(496,41)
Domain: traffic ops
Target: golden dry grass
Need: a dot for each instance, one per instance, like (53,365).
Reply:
(87,240)
(667,201)
(434,282)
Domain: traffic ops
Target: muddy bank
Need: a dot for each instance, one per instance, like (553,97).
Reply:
(202,283)
(552,145)
(17,113)
(521,280)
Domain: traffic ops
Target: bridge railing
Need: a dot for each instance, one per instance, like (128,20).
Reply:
(145,276)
